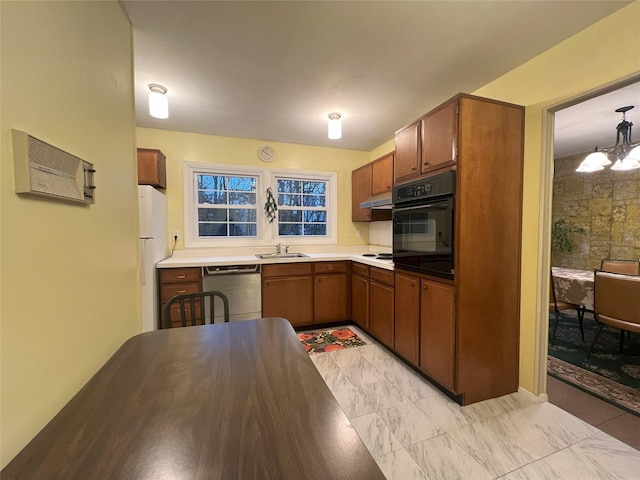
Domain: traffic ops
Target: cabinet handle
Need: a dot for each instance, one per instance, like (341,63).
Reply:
(181,276)
(181,291)
(331,267)
(425,163)
(413,167)
(424,287)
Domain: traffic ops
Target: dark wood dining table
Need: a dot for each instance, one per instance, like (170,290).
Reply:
(240,400)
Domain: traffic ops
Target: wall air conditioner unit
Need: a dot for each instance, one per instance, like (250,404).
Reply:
(44,170)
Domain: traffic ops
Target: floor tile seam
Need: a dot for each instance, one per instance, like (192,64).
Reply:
(388,424)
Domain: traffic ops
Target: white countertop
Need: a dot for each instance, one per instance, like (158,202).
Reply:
(204,259)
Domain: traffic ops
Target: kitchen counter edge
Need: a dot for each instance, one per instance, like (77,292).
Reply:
(253,260)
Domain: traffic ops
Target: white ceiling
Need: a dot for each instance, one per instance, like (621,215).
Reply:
(274,70)
(580,128)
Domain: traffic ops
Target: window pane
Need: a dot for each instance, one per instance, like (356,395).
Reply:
(243,184)
(317,216)
(290,216)
(212,214)
(289,200)
(317,188)
(315,229)
(240,198)
(212,229)
(215,198)
(314,200)
(289,229)
(242,230)
(212,182)
(242,215)
(289,186)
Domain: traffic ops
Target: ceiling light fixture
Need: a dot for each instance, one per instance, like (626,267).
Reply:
(158,101)
(335,126)
(624,153)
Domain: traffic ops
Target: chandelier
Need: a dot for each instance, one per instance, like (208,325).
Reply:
(624,155)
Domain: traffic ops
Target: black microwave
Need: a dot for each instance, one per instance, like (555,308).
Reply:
(423,225)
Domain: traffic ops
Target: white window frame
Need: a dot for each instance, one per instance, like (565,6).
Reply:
(331,179)
(267,233)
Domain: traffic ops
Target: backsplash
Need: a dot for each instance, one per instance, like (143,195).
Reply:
(381,234)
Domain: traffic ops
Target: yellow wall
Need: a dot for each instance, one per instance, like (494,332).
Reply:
(68,273)
(180,146)
(599,55)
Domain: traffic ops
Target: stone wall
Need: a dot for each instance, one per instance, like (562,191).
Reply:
(606,204)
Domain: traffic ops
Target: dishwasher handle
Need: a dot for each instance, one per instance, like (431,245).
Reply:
(230,269)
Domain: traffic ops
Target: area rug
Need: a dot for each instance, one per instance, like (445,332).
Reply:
(330,340)
(608,374)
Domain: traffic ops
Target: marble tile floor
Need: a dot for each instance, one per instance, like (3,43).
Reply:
(414,431)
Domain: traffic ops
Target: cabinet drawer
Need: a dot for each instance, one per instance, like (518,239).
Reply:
(173,275)
(285,269)
(330,267)
(360,269)
(176,319)
(169,290)
(382,275)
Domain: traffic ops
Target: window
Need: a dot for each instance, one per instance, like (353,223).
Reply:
(302,207)
(224,206)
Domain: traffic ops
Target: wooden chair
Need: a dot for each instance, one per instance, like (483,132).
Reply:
(616,303)
(628,267)
(192,308)
(556,307)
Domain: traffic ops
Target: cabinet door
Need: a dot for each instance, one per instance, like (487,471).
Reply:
(407,317)
(440,137)
(360,191)
(406,163)
(437,332)
(381,312)
(360,301)
(288,297)
(330,298)
(382,173)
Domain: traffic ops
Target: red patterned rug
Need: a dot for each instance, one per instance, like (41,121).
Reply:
(329,340)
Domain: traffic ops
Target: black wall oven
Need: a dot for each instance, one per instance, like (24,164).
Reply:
(423,225)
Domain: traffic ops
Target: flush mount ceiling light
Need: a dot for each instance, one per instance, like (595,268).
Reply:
(624,153)
(158,101)
(335,126)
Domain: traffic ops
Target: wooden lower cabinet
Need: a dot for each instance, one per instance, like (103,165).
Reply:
(330,302)
(381,312)
(289,297)
(407,317)
(360,301)
(178,281)
(437,332)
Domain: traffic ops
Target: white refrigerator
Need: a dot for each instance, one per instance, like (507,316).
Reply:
(154,246)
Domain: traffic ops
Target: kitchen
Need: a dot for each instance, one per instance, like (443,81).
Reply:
(76,235)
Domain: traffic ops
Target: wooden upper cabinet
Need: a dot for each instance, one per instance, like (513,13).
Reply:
(360,191)
(382,175)
(406,164)
(152,168)
(440,137)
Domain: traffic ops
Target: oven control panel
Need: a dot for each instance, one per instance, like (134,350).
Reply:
(426,187)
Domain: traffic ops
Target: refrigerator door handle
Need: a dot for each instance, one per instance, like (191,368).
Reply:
(143,259)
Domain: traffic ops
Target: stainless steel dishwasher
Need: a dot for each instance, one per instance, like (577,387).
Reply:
(241,284)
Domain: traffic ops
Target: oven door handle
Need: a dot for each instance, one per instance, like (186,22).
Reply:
(432,206)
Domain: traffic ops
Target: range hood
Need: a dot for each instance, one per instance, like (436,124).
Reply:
(380,202)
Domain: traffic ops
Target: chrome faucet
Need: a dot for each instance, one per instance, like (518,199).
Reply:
(278,248)
(286,249)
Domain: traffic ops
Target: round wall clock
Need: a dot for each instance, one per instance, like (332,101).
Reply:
(266,153)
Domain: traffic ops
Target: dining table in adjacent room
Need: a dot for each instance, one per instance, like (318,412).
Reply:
(574,286)
(239,400)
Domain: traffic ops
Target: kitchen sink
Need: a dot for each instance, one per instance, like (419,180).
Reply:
(280,255)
